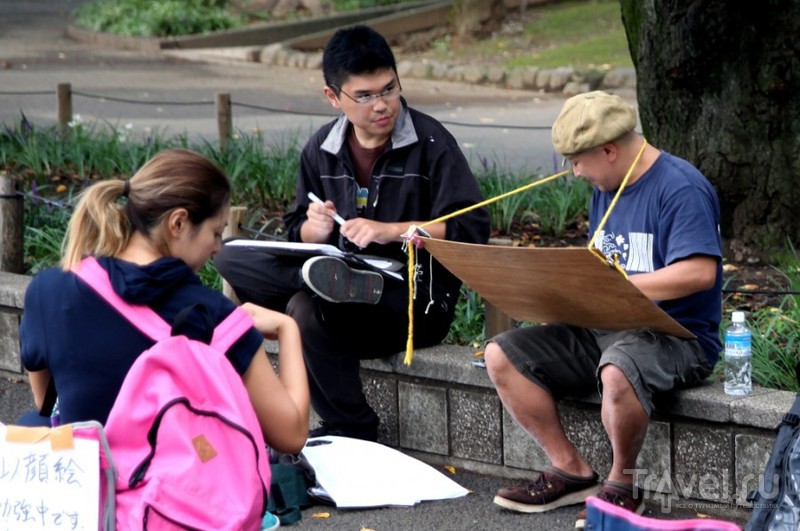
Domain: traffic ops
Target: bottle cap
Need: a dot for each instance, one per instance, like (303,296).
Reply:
(737,317)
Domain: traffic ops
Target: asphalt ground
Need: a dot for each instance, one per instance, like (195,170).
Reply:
(175,95)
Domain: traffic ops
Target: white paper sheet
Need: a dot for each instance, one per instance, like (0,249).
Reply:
(314,249)
(357,473)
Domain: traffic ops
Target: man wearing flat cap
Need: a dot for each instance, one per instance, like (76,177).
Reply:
(664,232)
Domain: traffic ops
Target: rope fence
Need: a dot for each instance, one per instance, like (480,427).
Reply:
(223,104)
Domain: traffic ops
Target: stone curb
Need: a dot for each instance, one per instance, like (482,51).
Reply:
(565,80)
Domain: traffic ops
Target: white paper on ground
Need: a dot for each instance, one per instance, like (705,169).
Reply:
(356,473)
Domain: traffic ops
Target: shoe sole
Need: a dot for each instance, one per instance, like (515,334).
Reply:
(580,523)
(572,498)
(334,281)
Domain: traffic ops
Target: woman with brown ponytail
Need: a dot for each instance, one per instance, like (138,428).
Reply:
(152,234)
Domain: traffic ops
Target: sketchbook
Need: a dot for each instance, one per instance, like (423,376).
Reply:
(553,285)
(385,266)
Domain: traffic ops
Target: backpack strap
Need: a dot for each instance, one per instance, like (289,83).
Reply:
(147,320)
(142,317)
(233,327)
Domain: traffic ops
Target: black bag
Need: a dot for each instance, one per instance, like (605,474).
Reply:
(292,476)
(776,502)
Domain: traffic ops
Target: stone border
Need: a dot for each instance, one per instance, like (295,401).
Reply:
(566,80)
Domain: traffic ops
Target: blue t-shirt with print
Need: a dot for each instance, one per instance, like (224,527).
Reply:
(670,213)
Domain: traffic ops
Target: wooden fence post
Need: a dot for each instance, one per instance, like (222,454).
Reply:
(235,218)
(224,120)
(64,95)
(11,226)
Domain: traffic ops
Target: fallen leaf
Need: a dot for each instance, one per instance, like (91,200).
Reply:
(751,287)
(61,188)
(321,515)
(727,268)
(479,354)
(450,468)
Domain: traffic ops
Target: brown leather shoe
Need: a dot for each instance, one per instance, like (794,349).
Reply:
(553,488)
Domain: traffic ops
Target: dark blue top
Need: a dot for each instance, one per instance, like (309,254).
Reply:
(670,213)
(89,347)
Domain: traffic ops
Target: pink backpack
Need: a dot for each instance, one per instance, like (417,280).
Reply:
(604,516)
(184,436)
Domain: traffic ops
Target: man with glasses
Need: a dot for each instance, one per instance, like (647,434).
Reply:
(365,178)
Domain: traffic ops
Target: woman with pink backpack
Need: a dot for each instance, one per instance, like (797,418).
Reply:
(143,241)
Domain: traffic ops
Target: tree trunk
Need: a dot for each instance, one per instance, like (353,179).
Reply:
(718,84)
(474,19)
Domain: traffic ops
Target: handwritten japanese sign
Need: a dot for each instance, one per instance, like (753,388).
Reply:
(42,488)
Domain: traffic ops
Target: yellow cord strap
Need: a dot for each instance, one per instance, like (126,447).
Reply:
(597,252)
(411,251)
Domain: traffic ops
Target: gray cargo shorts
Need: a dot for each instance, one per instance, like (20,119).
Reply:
(566,360)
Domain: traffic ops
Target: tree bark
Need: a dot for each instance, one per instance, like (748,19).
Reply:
(474,19)
(718,84)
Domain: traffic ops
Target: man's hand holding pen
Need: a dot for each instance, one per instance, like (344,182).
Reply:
(320,223)
(359,231)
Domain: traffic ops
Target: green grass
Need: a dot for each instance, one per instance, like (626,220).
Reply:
(169,18)
(584,34)
(156,18)
(599,51)
(577,34)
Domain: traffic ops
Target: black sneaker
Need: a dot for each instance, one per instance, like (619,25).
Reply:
(335,281)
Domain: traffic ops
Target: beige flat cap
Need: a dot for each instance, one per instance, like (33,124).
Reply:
(591,119)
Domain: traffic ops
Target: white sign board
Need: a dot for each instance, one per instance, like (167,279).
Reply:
(45,489)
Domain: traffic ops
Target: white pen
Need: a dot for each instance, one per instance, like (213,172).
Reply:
(336,217)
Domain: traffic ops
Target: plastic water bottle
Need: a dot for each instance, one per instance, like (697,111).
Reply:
(738,370)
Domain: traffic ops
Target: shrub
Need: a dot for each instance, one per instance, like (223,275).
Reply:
(156,18)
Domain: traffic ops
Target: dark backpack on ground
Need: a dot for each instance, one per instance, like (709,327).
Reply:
(292,477)
(776,502)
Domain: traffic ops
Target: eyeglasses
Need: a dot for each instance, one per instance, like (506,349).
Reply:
(389,94)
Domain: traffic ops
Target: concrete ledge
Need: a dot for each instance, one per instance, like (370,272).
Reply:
(12,300)
(764,408)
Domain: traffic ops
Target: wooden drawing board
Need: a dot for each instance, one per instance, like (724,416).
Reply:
(553,285)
